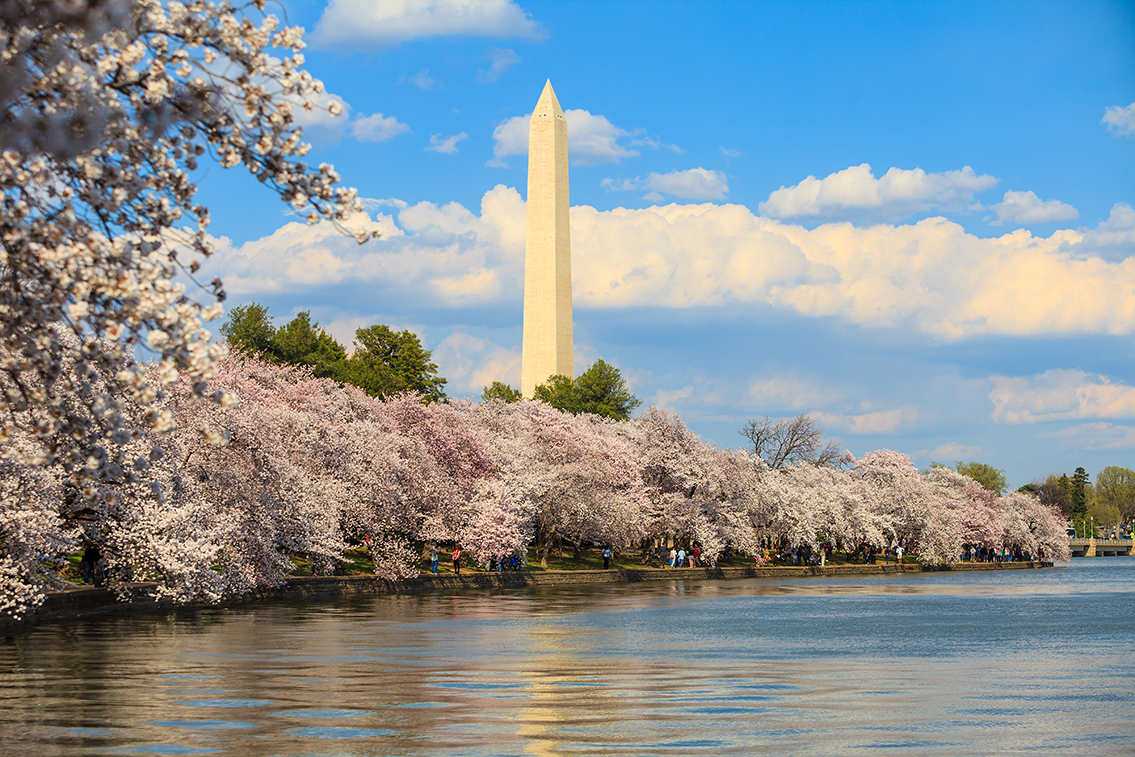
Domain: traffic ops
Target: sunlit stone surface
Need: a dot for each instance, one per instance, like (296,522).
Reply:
(547,346)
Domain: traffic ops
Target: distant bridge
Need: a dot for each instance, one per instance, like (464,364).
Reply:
(1101,547)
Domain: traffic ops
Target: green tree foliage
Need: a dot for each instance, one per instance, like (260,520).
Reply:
(499,390)
(249,329)
(991,478)
(1115,487)
(1077,492)
(601,390)
(385,362)
(301,342)
(388,362)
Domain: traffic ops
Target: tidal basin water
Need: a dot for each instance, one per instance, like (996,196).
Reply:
(1008,662)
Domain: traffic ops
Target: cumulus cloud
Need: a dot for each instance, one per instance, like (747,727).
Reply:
(855,193)
(377,128)
(447,145)
(366,23)
(471,363)
(931,277)
(592,139)
(1024,208)
(950,451)
(876,422)
(442,254)
(1120,121)
(691,184)
(502,60)
(1059,394)
(1094,436)
(1113,239)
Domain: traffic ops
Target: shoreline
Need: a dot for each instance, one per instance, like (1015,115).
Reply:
(83,601)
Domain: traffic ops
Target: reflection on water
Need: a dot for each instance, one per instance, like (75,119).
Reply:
(970,663)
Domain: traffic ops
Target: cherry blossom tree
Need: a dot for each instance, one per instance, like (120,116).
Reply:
(577,475)
(970,503)
(286,464)
(901,495)
(108,107)
(698,492)
(1033,526)
(819,503)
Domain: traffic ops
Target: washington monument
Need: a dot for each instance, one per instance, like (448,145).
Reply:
(547,345)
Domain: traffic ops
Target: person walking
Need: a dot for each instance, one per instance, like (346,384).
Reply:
(682,557)
(89,564)
(606,557)
(898,554)
(673,556)
(457,559)
(433,559)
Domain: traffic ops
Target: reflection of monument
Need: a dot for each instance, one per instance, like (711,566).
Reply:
(547,346)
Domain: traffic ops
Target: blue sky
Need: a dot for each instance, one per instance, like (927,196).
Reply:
(911,220)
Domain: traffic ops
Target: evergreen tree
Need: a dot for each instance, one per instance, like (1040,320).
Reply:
(385,362)
(1076,492)
(500,391)
(249,329)
(601,390)
(302,342)
(388,362)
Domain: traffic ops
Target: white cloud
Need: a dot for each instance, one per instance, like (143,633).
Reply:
(1120,121)
(591,139)
(377,128)
(1094,436)
(672,399)
(654,143)
(950,451)
(447,145)
(1059,394)
(692,184)
(331,118)
(343,329)
(1113,239)
(471,363)
(365,23)
(930,277)
(855,193)
(790,392)
(730,152)
(877,422)
(422,80)
(440,254)
(502,60)
(1024,208)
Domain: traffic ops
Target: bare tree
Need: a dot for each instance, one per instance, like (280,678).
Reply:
(791,441)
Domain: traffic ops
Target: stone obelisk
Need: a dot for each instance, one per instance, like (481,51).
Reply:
(547,346)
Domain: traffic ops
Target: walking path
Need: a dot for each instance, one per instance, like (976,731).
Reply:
(88,600)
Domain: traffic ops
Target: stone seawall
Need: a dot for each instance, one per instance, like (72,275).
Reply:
(88,600)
